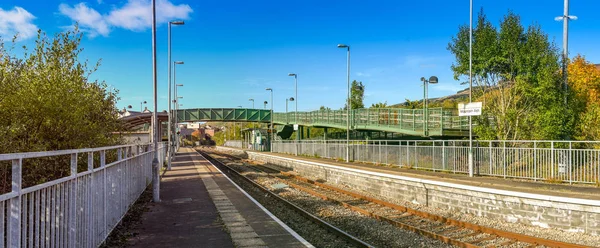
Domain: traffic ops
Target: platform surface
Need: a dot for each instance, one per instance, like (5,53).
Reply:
(200,207)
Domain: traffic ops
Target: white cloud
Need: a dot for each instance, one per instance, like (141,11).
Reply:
(17,21)
(135,15)
(89,19)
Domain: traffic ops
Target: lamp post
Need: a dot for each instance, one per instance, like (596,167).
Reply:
(432,80)
(155,167)
(169,131)
(296,113)
(349,106)
(271,128)
(565,18)
(470,155)
(234,133)
(175,108)
(141,109)
(291,99)
(174,101)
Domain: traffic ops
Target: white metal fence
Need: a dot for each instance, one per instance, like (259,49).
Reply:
(234,143)
(79,210)
(557,161)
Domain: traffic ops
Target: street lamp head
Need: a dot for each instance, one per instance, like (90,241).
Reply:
(177,22)
(129,106)
(292,74)
(423,79)
(269,89)
(251,99)
(291,99)
(433,80)
(180,97)
(145,102)
(179,85)
(266,102)
(178,62)
(342,46)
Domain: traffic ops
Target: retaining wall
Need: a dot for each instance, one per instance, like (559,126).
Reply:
(569,214)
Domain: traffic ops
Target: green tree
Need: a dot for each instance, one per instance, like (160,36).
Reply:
(47,102)
(515,74)
(379,105)
(357,90)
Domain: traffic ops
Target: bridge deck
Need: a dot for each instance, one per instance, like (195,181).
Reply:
(440,122)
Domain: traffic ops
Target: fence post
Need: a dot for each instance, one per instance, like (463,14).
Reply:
(72,203)
(570,163)
(534,161)
(433,156)
(504,155)
(490,154)
(552,158)
(13,234)
(90,197)
(105,194)
(379,153)
(443,155)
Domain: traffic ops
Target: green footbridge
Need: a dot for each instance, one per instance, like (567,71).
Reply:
(441,122)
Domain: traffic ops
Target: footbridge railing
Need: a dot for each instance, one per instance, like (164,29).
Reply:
(76,210)
(409,121)
(554,161)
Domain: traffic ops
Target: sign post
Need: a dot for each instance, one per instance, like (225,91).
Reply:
(470,109)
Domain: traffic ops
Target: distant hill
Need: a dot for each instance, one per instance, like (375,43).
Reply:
(460,95)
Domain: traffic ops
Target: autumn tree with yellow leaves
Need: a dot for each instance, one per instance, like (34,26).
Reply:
(584,82)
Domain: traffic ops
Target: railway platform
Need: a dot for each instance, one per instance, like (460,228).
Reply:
(200,207)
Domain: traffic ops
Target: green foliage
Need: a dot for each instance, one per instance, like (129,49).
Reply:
(47,102)
(379,105)
(357,90)
(515,75)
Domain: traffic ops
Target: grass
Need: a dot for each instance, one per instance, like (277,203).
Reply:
(123,232)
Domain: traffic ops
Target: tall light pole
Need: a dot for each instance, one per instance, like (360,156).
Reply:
(296,113)
(172,132)
(141,109)
(565,18)
(155,167)
(349,106)
(176,102)
(170,146)
(252,100)
(291,99)
(234,133)
(470,86)
(271,128)
(432,80)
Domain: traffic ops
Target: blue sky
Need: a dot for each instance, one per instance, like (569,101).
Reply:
(234,49)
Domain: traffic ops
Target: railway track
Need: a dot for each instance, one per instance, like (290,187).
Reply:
(450,231)
(347,239)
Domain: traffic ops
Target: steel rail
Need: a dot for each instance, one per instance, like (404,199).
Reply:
(336,231)
(474,227)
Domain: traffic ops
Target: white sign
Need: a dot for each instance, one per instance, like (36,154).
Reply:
(295,127)
(469,109)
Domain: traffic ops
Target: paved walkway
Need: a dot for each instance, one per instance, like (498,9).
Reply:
(201,208)
(185,217)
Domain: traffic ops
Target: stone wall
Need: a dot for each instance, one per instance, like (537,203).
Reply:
(570,214)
